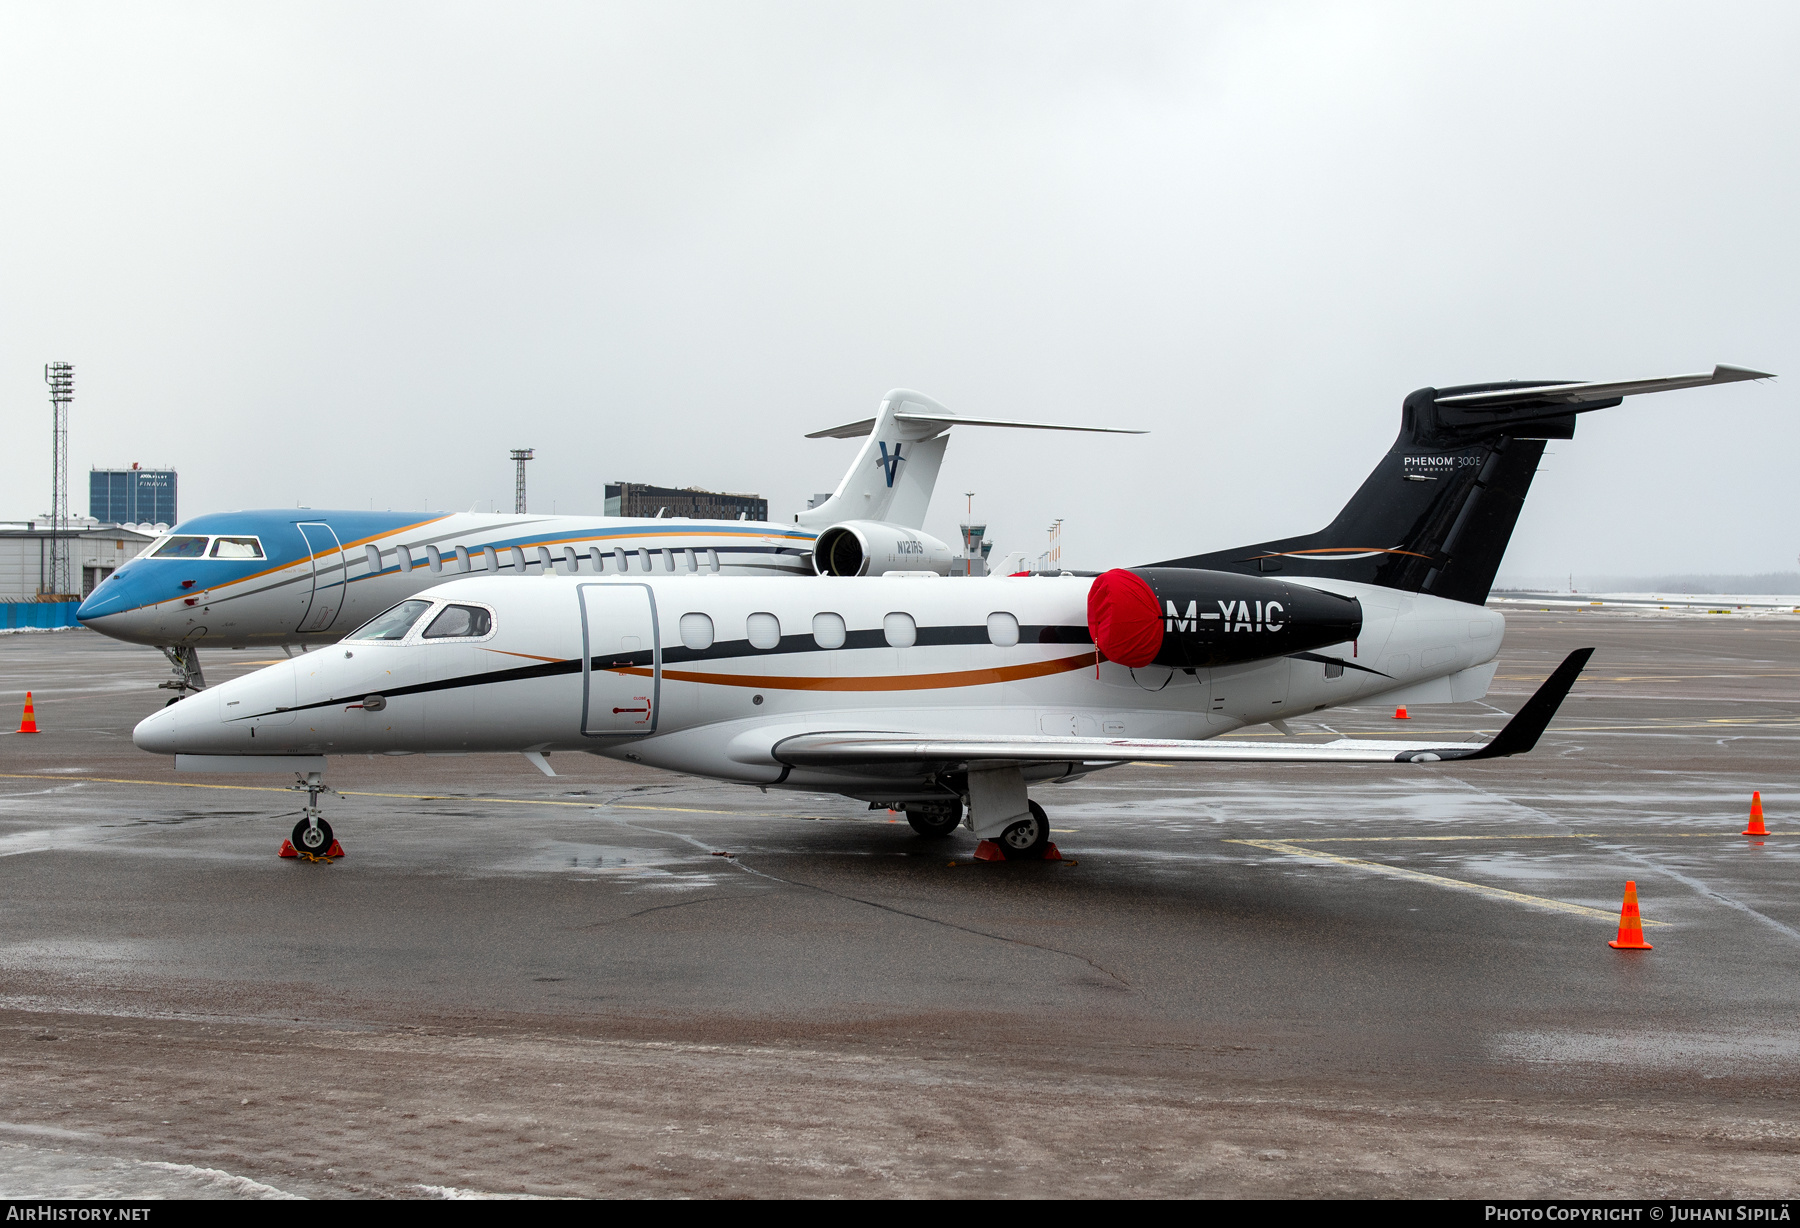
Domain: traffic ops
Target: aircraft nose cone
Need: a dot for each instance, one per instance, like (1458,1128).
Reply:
(107,598)
(190,727)
(159,733)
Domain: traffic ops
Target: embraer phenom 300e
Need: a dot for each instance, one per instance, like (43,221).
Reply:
(949,699)
(303,577)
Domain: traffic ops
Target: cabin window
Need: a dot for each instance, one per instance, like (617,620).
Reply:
(434,559)
(712,561)
(1003,629)
(403,558)
(901,630)
(459,622)
(462,559)
(393,623)
(828,630)
(597,559)
(764,630)
(236,548)
(181,548)
(374,558)
(573,559)
(620,560)
(697,631)
(492,557)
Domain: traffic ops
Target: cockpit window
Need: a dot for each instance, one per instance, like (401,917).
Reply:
(391,624)
(459,621)
(236,548)
(182,548)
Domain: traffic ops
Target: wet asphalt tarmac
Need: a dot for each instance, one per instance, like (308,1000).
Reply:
(1245,980)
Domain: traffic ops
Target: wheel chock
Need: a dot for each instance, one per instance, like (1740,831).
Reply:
(288,850)
(987,850)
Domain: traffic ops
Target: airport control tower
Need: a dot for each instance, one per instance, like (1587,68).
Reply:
(975,553)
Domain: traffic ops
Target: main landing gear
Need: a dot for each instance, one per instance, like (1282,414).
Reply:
(1026,839)
(1012,827)
(184,663)
(934,820)
(312,838)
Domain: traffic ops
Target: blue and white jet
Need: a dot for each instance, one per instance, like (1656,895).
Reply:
(298,578)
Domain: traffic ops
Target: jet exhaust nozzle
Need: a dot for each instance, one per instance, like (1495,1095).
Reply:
(1199,619)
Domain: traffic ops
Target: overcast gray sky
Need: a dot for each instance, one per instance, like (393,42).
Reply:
(349,254)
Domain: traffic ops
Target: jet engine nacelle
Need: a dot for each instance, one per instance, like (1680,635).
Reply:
(1199,619)
(870,547)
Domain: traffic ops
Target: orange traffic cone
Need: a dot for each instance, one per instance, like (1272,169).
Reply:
(1400,714)
(1631,926)
(1756,827)
(29,723)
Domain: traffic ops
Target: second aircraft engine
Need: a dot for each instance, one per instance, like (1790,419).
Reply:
(1198,619)
(871,547)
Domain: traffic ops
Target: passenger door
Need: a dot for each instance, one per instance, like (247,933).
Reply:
(621,660)
(327,577)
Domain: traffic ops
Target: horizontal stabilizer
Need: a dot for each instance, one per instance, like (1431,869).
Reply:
(1580,393)
(943,422)
(852,750)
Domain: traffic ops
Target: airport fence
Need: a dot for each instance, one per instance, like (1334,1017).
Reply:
(39,615)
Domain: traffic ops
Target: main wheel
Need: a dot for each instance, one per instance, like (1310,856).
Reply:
(310,839)
(1027,839)
(935,823)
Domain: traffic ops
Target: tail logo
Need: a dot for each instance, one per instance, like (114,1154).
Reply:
(889,463)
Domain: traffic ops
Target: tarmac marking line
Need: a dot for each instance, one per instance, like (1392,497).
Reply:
(1579,835)
(1438,880)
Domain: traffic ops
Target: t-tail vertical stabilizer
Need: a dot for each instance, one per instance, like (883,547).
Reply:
(1436,515)
(893,475)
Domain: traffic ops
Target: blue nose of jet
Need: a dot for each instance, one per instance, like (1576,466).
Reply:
(109,597)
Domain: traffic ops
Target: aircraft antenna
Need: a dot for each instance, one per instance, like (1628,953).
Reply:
(520,456)
(61,378)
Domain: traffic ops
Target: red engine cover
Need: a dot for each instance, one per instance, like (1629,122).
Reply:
(1125,619)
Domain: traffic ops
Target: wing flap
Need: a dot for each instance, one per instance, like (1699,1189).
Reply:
(845,749)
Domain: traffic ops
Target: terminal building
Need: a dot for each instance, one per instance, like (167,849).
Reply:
(636,499)
(132,496)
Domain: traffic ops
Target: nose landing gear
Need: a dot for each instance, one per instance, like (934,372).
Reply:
(312,838)
(184,663)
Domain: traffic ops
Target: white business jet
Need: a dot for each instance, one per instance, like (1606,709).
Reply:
(302,577)
(948,699)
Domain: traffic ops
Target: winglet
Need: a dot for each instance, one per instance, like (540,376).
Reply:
(1522,731)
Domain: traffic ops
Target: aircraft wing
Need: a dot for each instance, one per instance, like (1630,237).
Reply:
(1577,393)
(850,748)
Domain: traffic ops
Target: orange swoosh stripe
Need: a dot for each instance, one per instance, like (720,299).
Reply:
(892,682)
(528,656)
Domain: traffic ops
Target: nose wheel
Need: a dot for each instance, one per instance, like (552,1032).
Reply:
(312,838)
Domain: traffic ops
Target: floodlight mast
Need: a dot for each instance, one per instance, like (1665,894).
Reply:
(520,456)
(59,580)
